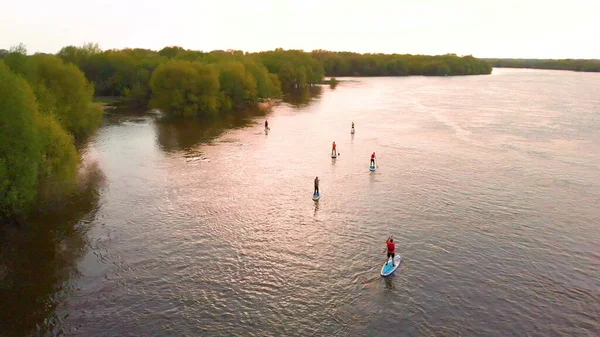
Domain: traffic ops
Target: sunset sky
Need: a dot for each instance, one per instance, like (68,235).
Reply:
(483,28)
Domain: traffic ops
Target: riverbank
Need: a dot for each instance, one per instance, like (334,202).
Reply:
(579,65)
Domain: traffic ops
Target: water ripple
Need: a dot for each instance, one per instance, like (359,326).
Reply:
(488,184)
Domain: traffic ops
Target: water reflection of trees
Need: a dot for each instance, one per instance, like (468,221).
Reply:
(38,260)
(176,134)
(301,98)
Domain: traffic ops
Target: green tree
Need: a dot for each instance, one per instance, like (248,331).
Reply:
(79,55)
(275,86)
(20,146)
(333,82)
(170,52)
(287,75)
(182,88)
(58,168)
(65,93)
(16,59)
(236,83)
(44,105)
(316,72)
(265,87)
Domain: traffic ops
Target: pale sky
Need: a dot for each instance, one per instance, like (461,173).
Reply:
(483,28)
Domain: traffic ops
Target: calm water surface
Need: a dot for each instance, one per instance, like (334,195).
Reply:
(489,184)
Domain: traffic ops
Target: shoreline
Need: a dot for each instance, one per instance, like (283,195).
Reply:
(540,68)
(577,65)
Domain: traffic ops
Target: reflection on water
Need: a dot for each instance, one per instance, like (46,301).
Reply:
(122,115)
(300,98)
(180,134)
(389,282)
(176,134)
(173,134)
(37,263)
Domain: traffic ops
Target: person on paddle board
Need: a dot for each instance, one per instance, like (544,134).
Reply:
(316,185)
(266,124)
(333,150)
(391,250)
(352,125)
(373,159)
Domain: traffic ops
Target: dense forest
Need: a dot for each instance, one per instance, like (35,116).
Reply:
(566,64)
(46,101)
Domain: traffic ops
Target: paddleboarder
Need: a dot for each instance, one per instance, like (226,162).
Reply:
(391,250)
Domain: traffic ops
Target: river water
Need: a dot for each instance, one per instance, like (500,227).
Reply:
(490,186)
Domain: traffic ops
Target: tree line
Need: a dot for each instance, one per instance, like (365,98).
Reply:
(354,64)
(184,82)
(565,64)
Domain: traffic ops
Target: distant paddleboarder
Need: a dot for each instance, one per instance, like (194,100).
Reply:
(333,150)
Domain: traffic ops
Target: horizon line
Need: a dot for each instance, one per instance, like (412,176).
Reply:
(306,51)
